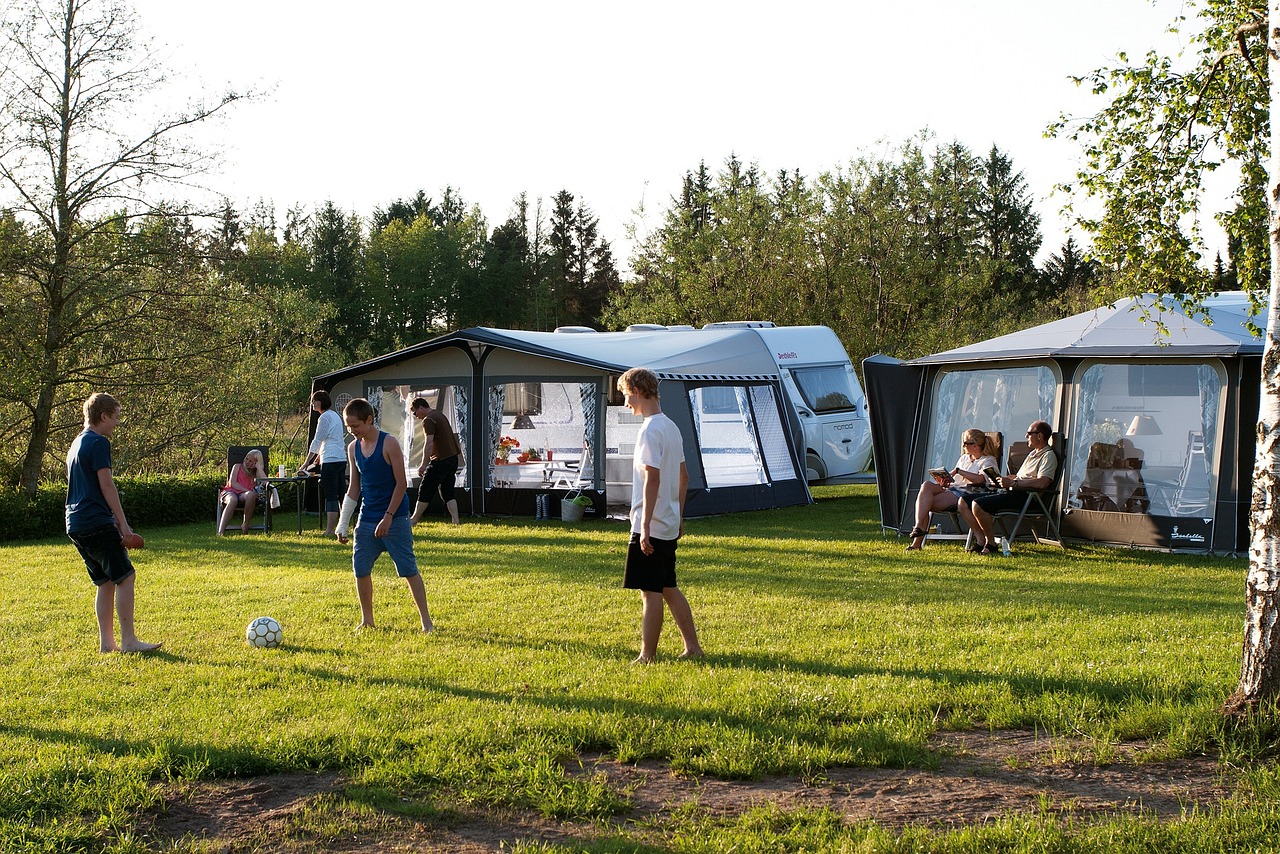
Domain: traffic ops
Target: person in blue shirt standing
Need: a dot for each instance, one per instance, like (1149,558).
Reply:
(97,525)
(378,484)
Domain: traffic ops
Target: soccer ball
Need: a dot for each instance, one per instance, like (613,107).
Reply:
(264,632)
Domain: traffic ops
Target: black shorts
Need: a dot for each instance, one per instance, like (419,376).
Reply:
(652,573)
(441,475)
(999,502)
(104,555)
(333,480)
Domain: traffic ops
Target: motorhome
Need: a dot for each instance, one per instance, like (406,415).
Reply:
(825,394)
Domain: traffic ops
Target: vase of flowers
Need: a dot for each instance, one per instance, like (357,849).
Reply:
(505,444)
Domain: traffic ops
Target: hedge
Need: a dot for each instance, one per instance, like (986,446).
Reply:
(150,501)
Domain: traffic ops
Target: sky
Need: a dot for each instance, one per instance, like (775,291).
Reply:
(365,103)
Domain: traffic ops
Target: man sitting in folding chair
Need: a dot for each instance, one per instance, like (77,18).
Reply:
(1036,473)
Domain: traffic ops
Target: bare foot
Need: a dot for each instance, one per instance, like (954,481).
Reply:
(642,660)
(692,653)
(140,646)
(364,627)
(104,650)
(244,529)
(428,627)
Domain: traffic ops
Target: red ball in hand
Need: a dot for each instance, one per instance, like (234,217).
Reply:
(133,541)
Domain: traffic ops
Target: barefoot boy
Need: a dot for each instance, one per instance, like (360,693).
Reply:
(376,465)
(97,526)
(658,484)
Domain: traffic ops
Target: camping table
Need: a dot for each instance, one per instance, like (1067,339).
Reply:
(297,481)
(512,476)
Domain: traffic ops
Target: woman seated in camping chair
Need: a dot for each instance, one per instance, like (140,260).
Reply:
(966,477)
(243,488)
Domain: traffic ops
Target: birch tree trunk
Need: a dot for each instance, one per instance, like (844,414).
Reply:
(1260,671)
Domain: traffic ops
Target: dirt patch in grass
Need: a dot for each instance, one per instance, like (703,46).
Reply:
(986,775)
(983,776)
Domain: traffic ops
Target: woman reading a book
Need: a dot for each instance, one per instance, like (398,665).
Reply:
(943,488)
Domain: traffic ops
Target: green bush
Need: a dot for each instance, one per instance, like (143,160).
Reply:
(150,501)
(23,518)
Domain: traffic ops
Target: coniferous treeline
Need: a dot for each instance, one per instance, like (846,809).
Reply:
(420,267)
(906,254)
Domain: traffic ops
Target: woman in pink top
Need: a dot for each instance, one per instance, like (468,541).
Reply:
(241,488)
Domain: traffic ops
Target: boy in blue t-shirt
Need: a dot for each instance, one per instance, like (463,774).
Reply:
(97,525)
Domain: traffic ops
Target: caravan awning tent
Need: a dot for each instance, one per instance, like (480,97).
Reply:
(554,391)
(1157,408)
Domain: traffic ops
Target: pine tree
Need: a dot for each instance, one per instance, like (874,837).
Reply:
(1010,229)
(336,249)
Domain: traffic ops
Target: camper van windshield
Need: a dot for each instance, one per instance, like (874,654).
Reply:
(825,389)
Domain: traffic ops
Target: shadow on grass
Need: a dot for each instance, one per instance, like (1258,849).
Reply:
(826,553)
(172,759)
(1111,691)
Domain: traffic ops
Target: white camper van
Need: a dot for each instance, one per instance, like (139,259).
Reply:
(825,394)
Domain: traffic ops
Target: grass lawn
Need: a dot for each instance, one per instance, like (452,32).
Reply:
(828,646)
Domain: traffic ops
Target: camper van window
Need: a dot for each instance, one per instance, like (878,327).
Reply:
(522,399)
(719,400)
(728,442)
(825,389)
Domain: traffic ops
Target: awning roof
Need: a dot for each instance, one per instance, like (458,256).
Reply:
(716,354)
(1130,327)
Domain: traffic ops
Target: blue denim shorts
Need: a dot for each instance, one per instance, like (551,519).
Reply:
(398,543)
(104,555)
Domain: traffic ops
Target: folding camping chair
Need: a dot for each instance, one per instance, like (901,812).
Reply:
(1192,494)
(1040,504)
(235,454)
(571,474)
(576,476)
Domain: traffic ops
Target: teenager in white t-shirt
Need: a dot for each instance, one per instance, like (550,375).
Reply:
(659,481)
